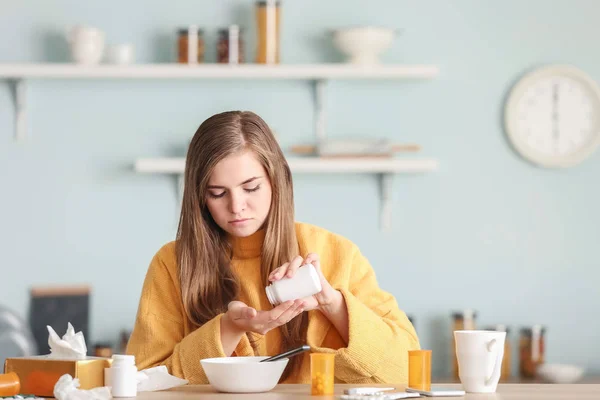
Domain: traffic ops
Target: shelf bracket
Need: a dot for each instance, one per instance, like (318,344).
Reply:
(179,182)
(18,90)
(385,182)
(320,85)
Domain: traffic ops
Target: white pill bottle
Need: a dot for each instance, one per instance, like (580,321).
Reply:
(304,283)
(122,376)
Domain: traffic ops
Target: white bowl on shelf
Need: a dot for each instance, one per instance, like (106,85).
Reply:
(243,374)
(560,373)
(363,44)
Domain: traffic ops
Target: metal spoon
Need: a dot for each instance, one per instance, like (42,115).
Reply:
(287,354)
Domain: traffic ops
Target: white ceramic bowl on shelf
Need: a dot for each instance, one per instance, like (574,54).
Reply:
(363,44)
(560,373)
(243,374)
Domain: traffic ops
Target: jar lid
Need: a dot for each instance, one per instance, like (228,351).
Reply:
(225,31)
(498,328)
(126,358)
(462,314)
(184,31)
(264,3)
(528,331)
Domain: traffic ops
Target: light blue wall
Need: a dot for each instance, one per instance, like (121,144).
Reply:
(487,230)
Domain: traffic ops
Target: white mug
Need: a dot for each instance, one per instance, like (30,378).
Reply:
(87,44)
(479,355)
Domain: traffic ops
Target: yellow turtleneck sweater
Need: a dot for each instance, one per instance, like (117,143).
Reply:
(380,334)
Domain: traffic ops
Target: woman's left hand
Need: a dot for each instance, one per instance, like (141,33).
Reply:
(323,300)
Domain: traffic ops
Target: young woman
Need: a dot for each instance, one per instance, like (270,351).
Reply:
(204,293)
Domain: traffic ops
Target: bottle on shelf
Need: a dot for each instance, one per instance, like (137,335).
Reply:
(506,373)
(531,350)
(268,17)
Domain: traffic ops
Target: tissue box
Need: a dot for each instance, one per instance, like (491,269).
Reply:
(39,374)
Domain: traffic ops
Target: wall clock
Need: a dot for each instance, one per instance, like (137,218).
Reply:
(552,116)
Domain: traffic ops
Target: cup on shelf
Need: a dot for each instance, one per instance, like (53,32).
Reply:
(120,54)
(86,43)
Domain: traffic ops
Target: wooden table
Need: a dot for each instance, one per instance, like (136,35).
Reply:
(508,391)
(515,379)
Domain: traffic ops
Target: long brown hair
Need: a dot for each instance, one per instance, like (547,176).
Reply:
(203,250)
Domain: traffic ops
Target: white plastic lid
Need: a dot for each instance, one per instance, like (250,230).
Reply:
(123,359)
(270,295)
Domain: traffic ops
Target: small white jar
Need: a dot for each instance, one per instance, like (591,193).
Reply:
(122,376)
(304,283)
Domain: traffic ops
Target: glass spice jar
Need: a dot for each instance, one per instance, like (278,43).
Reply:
(531,350)
(183,50)
(462,320)
(230,46)
(268,22)
(505,374)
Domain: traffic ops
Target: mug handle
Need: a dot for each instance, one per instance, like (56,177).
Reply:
(497,366)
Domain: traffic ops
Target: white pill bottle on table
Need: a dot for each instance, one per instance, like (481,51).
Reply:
(122,376)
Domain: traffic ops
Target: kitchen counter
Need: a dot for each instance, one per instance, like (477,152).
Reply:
(298,392)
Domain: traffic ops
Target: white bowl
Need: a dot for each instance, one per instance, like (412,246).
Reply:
(363,44)
(560,373)
(243,374)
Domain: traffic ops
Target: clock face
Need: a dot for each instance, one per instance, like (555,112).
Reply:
(553,116)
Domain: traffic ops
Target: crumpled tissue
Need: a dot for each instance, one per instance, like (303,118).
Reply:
(72,345)
(151,379)
(157,378)
(148,380)
(67,389)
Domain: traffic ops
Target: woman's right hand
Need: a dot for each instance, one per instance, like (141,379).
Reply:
(248,319)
